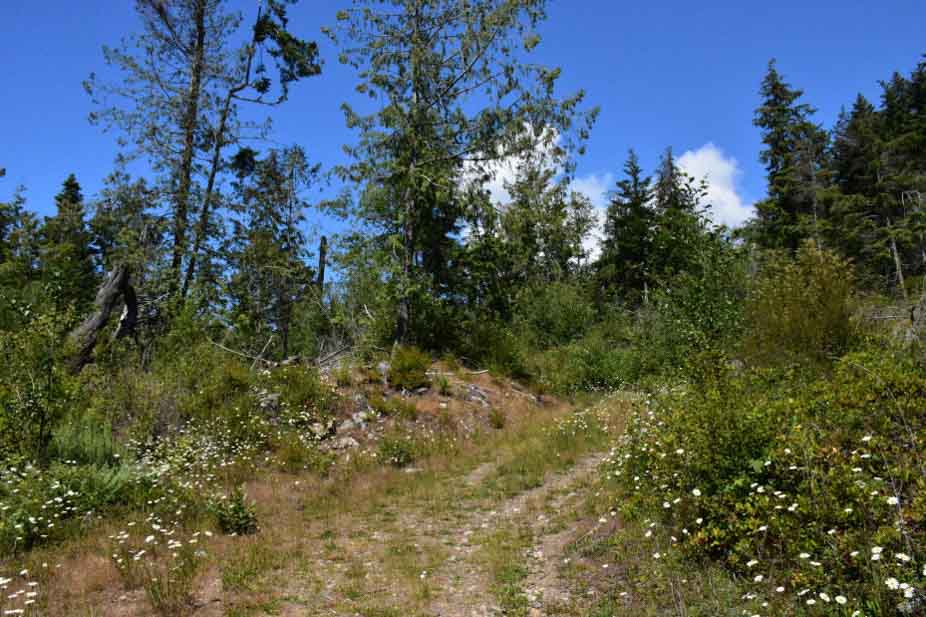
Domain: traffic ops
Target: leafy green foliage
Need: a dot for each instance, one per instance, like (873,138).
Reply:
(553,314)
(394,407)
(812,483)
(397,450)
(36,390)
(296,455)
(408,368)
(426,136)
(801,309)
(700,308)
(497,418)
(234,515)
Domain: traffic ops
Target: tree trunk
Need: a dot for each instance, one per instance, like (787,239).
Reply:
(116,287)
(404,317)
(898,265)
(202,228)
(190,118)
(322,262)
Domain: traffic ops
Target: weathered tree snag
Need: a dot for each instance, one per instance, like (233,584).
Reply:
(116,288)
(322,262)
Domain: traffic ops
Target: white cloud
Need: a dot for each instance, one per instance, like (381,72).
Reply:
(722,174)
(595,187)
(504,171)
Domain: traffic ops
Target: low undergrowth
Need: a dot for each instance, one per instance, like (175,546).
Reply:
(807,490)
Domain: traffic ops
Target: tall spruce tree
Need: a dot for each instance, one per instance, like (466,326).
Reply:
(19,258)
(267,252)
(67,262)
(679,221)
(627,243)
(793,158)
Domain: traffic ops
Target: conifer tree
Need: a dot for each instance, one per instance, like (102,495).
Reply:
(178,103)
(793,158)
(66,252)
(266,250)
(457,94)
(627,243)
(679,222)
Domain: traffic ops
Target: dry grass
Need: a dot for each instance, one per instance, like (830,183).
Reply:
(364,539)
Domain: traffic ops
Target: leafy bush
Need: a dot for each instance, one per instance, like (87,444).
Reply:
(295,455)
(443,385)
(800,309)
(36,390)
(497,419)
(553,314)
(397,450)
(811,486)
(408,369)
(234,515)
(606,358)
(394,406)
(41,506)
(86,440)
(696,310)
(492,344)
(342,376)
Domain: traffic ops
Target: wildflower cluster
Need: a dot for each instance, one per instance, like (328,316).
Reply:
(19,595)
(810,493)
(153,554)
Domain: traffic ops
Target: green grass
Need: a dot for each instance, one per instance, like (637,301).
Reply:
(246,569)
(503,553)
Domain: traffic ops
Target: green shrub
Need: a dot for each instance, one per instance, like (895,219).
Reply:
(86,440)
(699,309)
(605,359)
(296,456)
(490,343)
(304,399)
(42,506)
(342,376)
(800,309)
(397,450)
(234,515)
(789,481)
(394,407)
(553,314)
(497,418)
(443,385)
(36,389)
(408,369)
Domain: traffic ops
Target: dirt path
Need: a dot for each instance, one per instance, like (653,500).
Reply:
(553,534)
(468,592)
(479,532)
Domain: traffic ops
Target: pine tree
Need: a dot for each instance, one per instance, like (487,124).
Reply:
(627,242)
(127,230)
(19,258)
(266,252)
(66,251)
(679,222)
(179,102)
(793,158)
(857,149)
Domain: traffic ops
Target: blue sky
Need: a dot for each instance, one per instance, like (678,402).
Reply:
(684,74)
